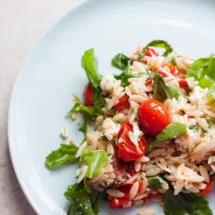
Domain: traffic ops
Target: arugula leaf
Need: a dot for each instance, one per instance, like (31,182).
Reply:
(98,102)
(85,126)
(120,61)
(185,204)
(156,182)
(198,68)
(81,202)
(210,71)
(90,64)
(79,108)
(158,44)
(64,154)
(161,44)
(162,91)
(125,75)
(203,70)
(172,131)
(94,160)
(87,186)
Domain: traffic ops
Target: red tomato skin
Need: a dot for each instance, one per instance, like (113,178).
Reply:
(153,117)
(150,52)
(128,152)
(125,128)
(88,95)
(163,74)
(183,85)
(149,82)
(208,188)
(123,103)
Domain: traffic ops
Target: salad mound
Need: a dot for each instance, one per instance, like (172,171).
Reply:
(149,133)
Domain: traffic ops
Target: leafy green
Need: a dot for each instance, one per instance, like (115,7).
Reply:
(120,61)
(94,160)
(90,64)
(162,91)
(185,204)
(156,182)
(79,108)
(125,75)
(81,202)
(158,44)
(85,126)
(87,186)
(203,70)
(64,154)
(172,131)
(198,68)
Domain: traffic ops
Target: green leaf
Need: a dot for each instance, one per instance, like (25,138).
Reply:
(125,75)
(94,160)
(99,102)
(203,70)
(156,182)
(161,44)
(185,204)
(90,64)
(65,154)
(172,131)
(161,91)
(158,44)
(85,126)
(198,68)
(80,200)
(210,71)
(120,61)
(79,108)
(87,186)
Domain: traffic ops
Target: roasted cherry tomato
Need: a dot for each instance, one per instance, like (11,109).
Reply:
(153,117)
(123,103)
(150,52)
(125,188)
(88,95)
(124,129)
(208,188)
(127,151)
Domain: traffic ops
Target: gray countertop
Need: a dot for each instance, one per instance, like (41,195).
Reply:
(21,23)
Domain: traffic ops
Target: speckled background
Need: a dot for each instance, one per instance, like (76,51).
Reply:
(21,24)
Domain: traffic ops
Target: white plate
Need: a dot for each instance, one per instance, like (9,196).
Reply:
(43,91)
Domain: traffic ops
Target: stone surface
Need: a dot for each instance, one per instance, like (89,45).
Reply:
(21,24)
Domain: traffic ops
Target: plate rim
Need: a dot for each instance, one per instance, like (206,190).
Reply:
(75,5)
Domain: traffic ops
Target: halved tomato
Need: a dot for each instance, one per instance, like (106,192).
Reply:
(88,95)
(123,103)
